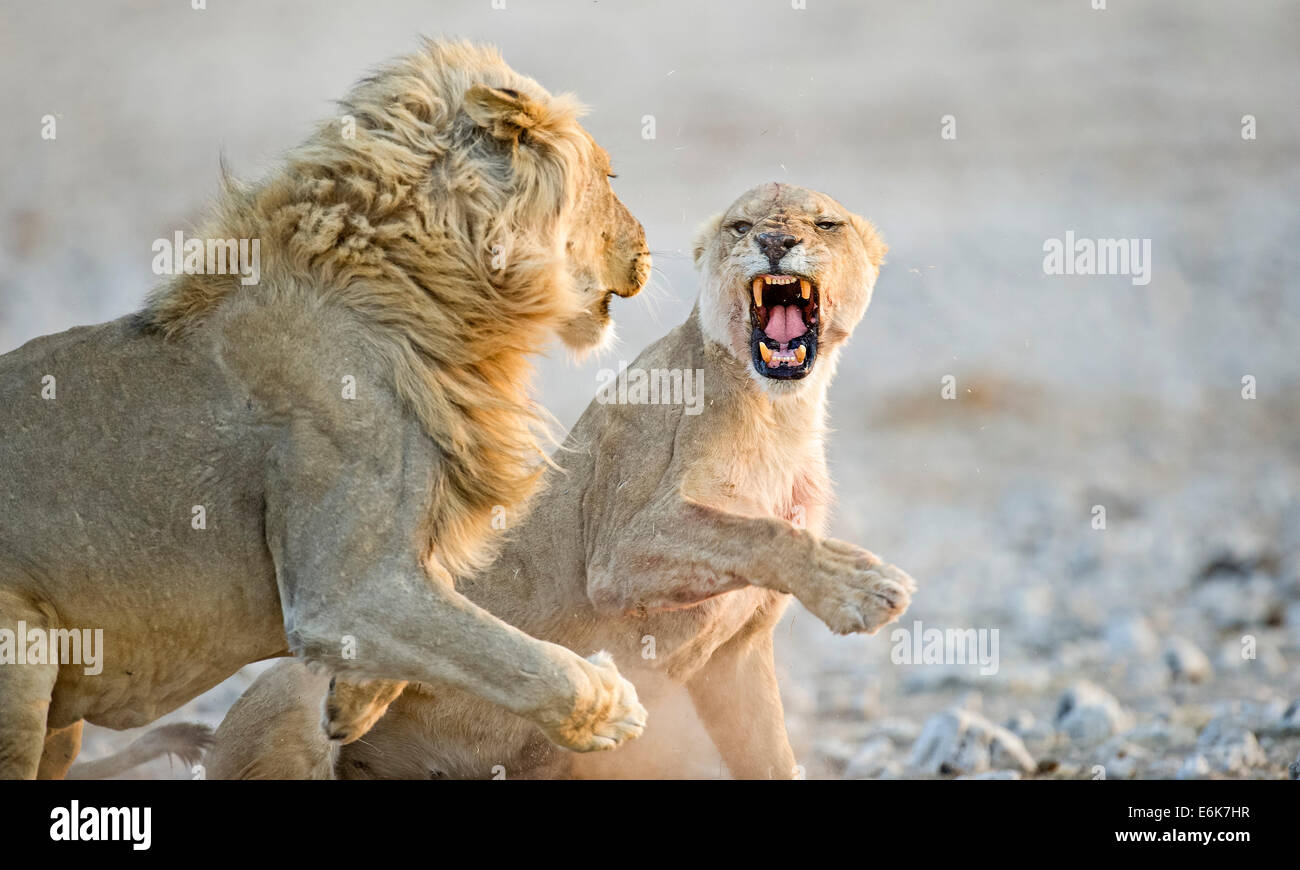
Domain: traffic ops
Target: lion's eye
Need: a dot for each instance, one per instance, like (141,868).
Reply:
(741,227)
(827,225)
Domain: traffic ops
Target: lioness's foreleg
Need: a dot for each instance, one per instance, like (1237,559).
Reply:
(737,699)
(25,692)
(679,552)
(345,529)
(352,709)
(273,731)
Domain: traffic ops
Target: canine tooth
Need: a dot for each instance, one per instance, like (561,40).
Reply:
(805,288)
(767,354)
(799,353)
(758,292)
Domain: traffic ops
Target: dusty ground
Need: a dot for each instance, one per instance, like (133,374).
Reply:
(1072,391)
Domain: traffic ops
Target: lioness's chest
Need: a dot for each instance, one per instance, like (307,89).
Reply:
(773,477)
(776,481)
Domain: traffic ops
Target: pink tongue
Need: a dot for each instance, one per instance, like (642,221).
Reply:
(784,323)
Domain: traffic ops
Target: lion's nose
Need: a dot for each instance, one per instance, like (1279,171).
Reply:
(774,246)
(638,274)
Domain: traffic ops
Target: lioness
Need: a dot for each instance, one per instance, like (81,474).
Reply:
(684,532)
(298,465)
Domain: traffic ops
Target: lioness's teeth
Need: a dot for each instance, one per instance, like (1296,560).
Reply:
(767,354)
(801,351)
(805,289)
(758,292)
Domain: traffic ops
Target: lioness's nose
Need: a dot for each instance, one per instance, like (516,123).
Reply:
(774,246)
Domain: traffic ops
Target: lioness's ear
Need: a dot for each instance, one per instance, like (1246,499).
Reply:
(875,245)
(704,235)
(503,112)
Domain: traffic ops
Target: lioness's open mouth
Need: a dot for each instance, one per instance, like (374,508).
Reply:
(783,312)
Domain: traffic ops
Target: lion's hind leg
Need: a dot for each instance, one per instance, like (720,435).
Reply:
(25,691)
(61,748)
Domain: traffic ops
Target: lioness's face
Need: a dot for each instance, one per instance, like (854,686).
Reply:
(788,273)
(607,256)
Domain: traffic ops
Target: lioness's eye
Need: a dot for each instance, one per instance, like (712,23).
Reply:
(611,175)
(827,225)
(740,228)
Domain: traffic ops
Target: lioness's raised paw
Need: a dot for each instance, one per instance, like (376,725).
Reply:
(853,591)
(604,714)
(351,709)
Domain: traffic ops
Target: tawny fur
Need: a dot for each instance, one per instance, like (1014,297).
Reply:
(468,218)
(685,532)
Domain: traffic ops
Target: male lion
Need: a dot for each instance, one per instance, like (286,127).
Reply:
(300,465)
(685,531)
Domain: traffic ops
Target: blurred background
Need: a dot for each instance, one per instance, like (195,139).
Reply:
(1165,644)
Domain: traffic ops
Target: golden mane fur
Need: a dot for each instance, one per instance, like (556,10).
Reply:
(401,224)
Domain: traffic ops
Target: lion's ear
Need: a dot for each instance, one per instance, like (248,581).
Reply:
(875,245)
(503,112)
(704,235)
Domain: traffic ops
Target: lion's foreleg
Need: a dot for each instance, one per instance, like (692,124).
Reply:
(359,598)
(431,635)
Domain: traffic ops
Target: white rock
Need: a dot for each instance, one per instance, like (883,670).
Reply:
(1290,724)
(896,728)
(1088,712)
(959,741)
(1160,734)
(1186,661)
(1292,620)
(1121,758)
(1260,716)
(1020,723)
(993,774)
(1230,748)
(1008,751)
(1130,637)
(1238,603)
(1194,767)
(1038,735)
(871,759)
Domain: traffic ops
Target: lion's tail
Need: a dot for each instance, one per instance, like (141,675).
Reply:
(185,740)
